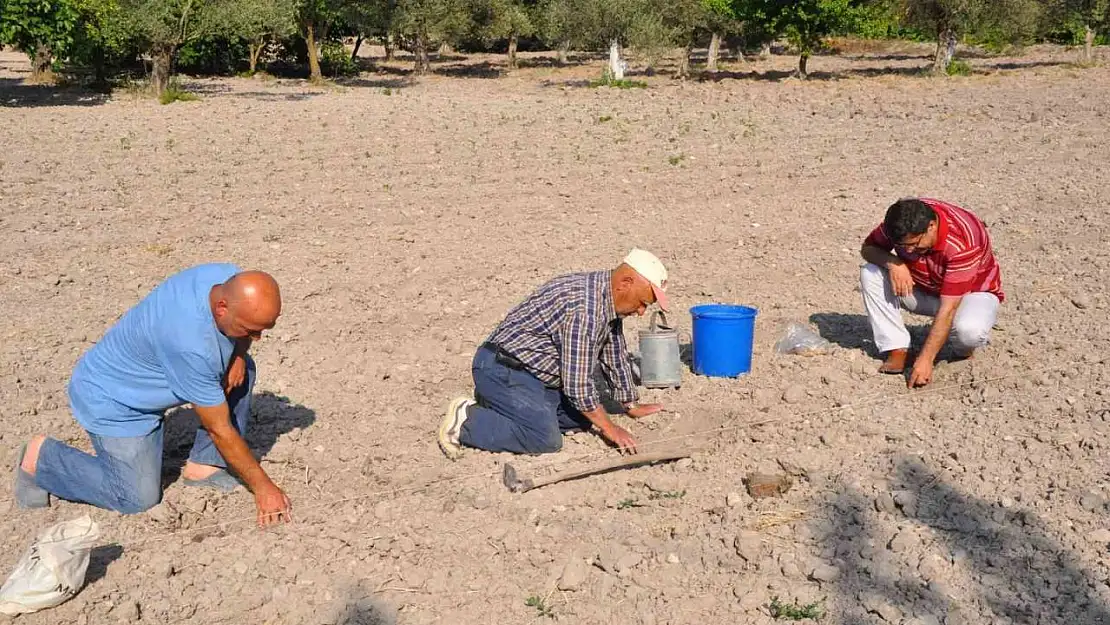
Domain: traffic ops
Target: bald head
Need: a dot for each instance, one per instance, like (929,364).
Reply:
(246,305)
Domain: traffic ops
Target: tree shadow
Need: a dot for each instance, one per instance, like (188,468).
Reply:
(1017,65)
(485,69)
(573,60)
(99,560)
(376,83)
(271,416)
(1017,572)
(893,56)
(15,94)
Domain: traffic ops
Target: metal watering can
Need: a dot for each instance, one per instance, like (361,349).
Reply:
(660,360)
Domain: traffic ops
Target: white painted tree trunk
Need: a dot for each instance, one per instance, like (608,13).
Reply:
(714,52)
(946,49)
(1088,45)
(616,63)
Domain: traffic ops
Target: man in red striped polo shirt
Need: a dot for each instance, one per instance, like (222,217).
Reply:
(931,258)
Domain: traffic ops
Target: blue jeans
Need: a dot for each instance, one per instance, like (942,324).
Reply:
(516,412)
(125,475)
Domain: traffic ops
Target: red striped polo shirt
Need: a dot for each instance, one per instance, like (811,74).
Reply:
(961,262)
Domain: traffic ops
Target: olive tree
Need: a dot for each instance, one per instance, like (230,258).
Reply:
(41,29)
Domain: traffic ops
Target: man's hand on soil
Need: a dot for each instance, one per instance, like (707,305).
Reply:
(921,374)
(273,506)
(620,437)
(638,411)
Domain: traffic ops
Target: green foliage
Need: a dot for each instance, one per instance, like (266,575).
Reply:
(27,24)
(257,20)
(336,61)
(432,20)
(805,22)
(624,83)
(881,20)
(216,55)
(492,20)
(794,612)
(668,494)
(625,504)
(542,609)
(174,93)
(958,68)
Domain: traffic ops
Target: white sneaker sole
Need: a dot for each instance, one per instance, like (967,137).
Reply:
(450,448)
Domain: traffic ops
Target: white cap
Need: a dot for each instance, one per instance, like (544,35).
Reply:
(651,268)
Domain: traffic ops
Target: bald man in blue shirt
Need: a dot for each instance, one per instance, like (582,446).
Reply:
(186,342)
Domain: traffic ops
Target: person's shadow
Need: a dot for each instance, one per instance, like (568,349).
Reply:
(271,416)
(847,331)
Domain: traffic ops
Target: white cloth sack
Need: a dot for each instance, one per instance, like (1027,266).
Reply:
(52,570)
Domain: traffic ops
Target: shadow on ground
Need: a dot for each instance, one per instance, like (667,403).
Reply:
(99,560)
(15,94)
(846,330)
(956,558)
(271,416)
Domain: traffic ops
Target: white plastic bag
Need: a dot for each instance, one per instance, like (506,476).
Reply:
(52,570)
(802,340)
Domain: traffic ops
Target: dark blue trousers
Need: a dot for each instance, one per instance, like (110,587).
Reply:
(516,412)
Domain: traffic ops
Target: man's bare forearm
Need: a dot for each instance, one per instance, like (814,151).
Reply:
(599,418)
(217,421)
(942,326)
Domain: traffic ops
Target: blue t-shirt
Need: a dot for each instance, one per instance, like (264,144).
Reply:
(166,351)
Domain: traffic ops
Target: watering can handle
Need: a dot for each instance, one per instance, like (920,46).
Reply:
(655,316)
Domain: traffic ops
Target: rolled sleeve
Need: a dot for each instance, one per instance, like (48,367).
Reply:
(192,378)
(614,363)
(576,362)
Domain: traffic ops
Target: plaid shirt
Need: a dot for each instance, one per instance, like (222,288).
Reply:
(563,330)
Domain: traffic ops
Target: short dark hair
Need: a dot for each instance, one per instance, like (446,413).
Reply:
(907,217)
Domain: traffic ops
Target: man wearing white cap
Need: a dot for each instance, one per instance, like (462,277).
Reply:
(532,376)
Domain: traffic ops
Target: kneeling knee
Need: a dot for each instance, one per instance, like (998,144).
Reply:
(548,443)
(971,334)
(139,501)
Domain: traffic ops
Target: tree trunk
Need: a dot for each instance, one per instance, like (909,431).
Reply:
(42,66)
(513,41)
(1088,45)
(161,68)
(388,44)
(803,60)
(354,53)
(714,52)
(255,50)
(684,62)
(421,51)
(616,63)
(314,73)
(946,49)
(564,49)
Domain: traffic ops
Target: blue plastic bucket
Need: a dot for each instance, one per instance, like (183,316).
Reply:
(723,339)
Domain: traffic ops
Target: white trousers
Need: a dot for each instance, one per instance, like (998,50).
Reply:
(971,328)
